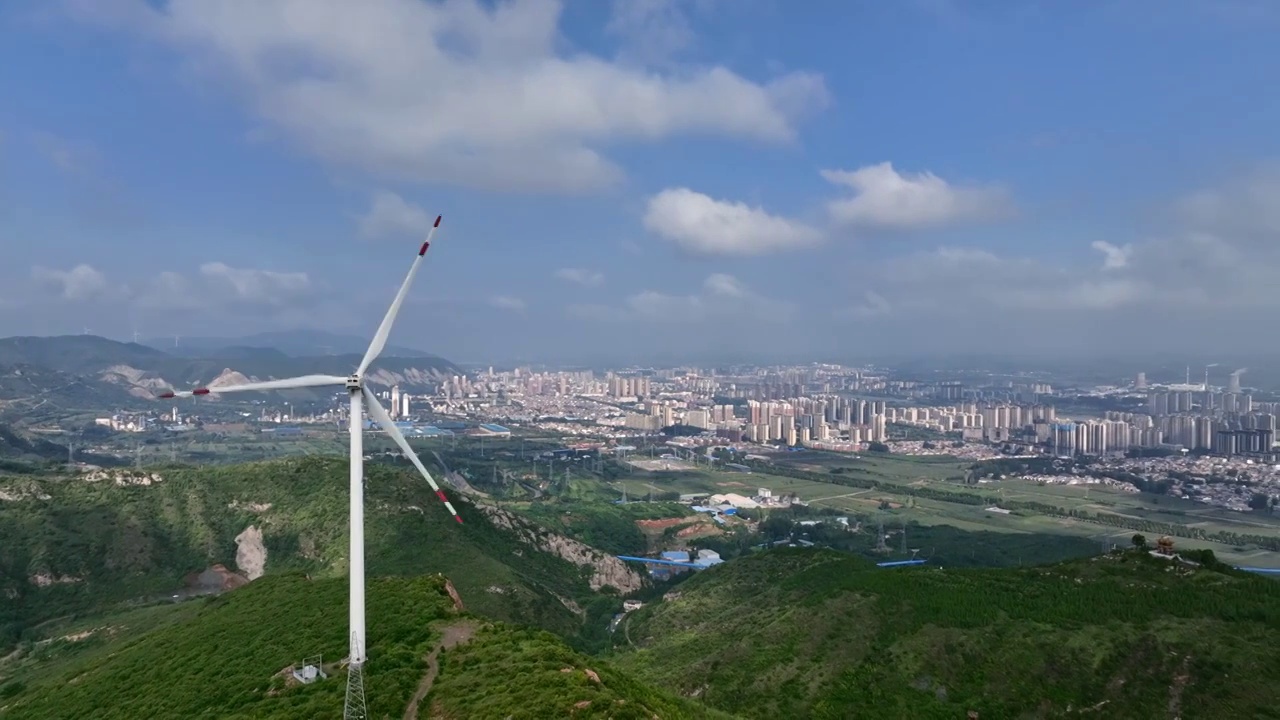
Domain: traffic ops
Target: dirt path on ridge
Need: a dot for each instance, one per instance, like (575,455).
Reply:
(454,635)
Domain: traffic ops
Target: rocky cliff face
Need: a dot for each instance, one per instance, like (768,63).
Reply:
(408,377)
(605,569)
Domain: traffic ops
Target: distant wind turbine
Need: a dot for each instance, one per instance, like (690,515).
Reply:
(360,396)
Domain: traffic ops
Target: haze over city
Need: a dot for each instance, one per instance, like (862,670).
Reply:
(647,179)
(637,359)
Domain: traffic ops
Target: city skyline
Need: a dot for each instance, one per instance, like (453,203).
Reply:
(653,179)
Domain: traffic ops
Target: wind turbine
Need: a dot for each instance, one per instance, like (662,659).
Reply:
(361,397)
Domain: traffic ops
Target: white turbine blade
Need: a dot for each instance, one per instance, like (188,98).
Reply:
(305,381)
(384,330)
(381,417)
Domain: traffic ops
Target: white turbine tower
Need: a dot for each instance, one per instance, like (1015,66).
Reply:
(361,396)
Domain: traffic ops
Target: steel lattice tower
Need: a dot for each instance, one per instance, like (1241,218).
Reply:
(353,708)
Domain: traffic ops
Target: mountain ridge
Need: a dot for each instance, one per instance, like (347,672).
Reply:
(102,368)
(814,633)
(231,656)
(294,343)
(111,536)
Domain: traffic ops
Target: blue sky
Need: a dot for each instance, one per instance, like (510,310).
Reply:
(654,178)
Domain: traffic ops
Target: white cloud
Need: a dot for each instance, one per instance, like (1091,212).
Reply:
(1115,257)
(701,224)
(721,298)
(656,32)
(215,286)
(455,92)
(82,282)
(391,215)
(966,281)
(506,302)
(1247,206)
(872,304)
(725,285)
(1221,263)
(581,276)
(265,287)
(885,198)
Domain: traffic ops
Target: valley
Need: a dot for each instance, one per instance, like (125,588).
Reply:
(221,545)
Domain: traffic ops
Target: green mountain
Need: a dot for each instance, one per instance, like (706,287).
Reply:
(33,392)
(298,343)
(76,354)
(230,657)
(805,633)
(92,541)
(86,370)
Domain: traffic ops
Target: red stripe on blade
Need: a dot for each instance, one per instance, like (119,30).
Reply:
(200,391)
(164,396)
(423,251)
(438,219)
(440,494)
(458,518)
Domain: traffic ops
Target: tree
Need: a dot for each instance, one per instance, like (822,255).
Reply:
(877,447)
(776,527)
(1139,541)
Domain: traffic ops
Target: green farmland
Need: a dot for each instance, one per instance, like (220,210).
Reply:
(901,496)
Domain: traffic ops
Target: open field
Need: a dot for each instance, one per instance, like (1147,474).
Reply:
(712,481)
(880,467)
(660,464)
(228,448)
(910,473)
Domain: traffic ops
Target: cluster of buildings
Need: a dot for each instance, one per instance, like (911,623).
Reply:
(674,562)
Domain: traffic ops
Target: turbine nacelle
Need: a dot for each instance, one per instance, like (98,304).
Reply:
(354,383)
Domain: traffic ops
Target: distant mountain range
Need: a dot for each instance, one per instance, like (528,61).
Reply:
(295,343)
(72,373)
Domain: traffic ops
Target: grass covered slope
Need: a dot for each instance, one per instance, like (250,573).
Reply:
(507,672)
(224,659)
(802,633)
(73,545)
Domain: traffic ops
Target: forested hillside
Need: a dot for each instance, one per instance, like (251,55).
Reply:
(86,542)
(230,657)
(802,633)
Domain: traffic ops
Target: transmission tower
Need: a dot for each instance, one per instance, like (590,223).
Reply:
(354,708)
(880,546)
(904,537)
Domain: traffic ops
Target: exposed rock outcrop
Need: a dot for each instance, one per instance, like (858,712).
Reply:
(453,595)
(140,383)
(251,553)
(606,570)
(123,478)
(409,376)
(47,579)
